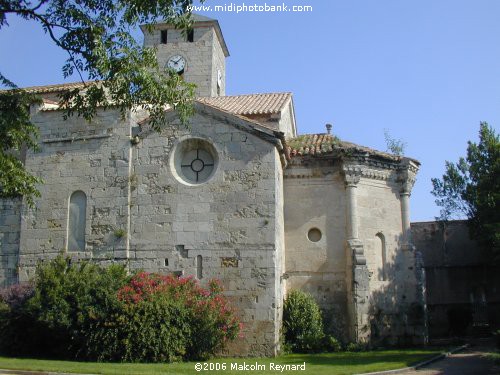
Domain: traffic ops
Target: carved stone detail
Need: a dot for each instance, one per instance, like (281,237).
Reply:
(357,252)
(352,174)
(407,176)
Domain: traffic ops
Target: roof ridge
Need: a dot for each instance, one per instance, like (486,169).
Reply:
(244,95)
(317,144)
(58,85)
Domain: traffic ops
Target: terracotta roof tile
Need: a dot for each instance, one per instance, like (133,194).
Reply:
(253,104)
(56,88)
(312,144)
(323,144)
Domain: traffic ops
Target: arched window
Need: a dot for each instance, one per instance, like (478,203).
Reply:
(76,221)
(380,254)
(199,267)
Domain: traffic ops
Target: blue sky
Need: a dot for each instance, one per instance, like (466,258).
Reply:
(428,71)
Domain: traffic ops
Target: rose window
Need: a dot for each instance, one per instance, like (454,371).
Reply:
(194,161)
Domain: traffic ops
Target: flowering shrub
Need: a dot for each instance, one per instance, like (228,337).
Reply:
(84,311)
(164,318)
(15,329)
(15,295)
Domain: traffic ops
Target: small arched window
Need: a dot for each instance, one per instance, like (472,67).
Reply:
(199,267)
(380,254)
(76,221)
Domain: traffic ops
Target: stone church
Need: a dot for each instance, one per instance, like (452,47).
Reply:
(238,195)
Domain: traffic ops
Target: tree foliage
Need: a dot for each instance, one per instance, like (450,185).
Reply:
(96,34)
(17,134)
(471,188)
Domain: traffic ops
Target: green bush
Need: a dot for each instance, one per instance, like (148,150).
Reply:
(302,323)
(84,311)
(153,330)
(163,319)
(48,320)
(356,347)
(331,344)
(68,297)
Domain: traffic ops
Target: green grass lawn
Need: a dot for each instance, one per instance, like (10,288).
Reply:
(317,364)
(494,356)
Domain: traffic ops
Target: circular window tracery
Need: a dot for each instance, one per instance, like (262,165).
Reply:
(197,165)
(194,161)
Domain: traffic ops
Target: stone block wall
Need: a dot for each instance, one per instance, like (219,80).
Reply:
(361,271)
(314,199)
(460,278)
(204,56)
(218,65)
(140,213)
(234,221)
(77,156)
(10,231)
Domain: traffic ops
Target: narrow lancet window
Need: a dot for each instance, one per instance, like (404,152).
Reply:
(76,221)
(380,253)
(199,267)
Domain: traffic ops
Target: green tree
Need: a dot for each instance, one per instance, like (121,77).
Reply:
(471,188)
(96,34)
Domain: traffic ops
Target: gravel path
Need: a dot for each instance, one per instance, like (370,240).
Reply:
(468,362)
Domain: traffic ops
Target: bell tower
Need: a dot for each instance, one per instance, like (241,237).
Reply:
(198,55)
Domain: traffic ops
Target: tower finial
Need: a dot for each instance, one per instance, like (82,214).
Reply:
(328,128)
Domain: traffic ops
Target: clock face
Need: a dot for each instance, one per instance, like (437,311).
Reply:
(176,63)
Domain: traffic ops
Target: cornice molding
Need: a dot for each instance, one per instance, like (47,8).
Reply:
(407,175)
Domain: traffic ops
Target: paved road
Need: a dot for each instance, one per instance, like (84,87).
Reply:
(469,362)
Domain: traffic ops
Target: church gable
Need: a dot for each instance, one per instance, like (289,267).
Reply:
(273,110)
(203,204)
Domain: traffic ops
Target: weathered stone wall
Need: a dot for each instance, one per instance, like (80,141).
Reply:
(460,277)
(359,271)
(218,65)
(287,121)
(10,231)
(204,56)
(396,307)
(233,221)
(379,212)
(140,213)
(77,156)
(314,198)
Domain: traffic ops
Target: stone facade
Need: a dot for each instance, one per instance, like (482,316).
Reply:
(363,270)
(237,196)
(205,55)
(462,281)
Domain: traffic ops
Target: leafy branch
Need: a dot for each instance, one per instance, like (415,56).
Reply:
(96,34)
